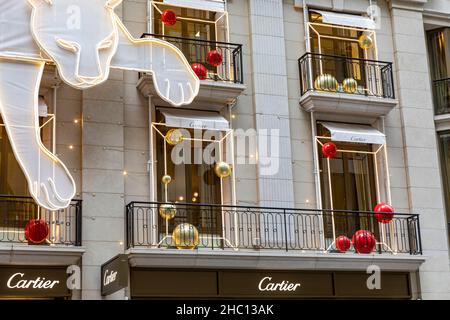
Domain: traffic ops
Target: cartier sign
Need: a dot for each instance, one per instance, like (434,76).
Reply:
(33,282)
(272,284)
(266,284)
(114,274)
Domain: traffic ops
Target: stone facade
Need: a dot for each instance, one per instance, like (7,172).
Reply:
(113,136)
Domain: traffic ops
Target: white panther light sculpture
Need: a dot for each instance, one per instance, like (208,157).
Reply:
(84,38)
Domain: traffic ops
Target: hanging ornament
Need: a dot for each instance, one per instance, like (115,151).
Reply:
(185,236)
(168,17)
(364,241)
(36,231)
(350,85)
(365,42)
(174,137)
(342,243)
(329,150)
(214,58)
(166,179)
(200,70)
(167,211)
(326,82)
(222,169)
(384,212)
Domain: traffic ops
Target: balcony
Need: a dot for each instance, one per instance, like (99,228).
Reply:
(441,94)
(256,229)
(335,86)
(223,84)
(61,247)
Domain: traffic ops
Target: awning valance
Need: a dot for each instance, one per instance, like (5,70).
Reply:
(195,119)
(212,5)
(349,20)
(354,133)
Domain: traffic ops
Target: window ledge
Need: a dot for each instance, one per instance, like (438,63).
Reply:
(366,108)
(275,260)
(213,95)
(23,254)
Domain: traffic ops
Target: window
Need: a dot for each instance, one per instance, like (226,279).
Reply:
(335,41)
(439,58)
(345,52)
(444,144)
(194,187)
(196,33)
(351,176)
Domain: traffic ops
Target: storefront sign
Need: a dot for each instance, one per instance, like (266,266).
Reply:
(266,285)
(114,274)
(148,283)
(33,282)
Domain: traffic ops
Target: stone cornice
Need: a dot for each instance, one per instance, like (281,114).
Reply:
(414,5)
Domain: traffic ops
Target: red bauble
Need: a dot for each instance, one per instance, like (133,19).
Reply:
(200,70)
(169,18)
(363,241)
(342,243)
(214,58)
(329,150)
(384,212)
(36,231)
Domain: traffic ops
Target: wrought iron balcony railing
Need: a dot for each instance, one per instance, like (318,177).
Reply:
(336,74)
(257,228)
(15,212)
(196,51)
(441,95)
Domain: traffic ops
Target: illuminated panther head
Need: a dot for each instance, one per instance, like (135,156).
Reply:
(79,37)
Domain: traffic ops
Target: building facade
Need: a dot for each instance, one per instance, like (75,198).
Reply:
(281,80)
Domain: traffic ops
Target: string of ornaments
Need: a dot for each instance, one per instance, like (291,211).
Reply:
(214,57)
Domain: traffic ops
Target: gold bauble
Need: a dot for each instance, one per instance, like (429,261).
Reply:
(185,236)
(350,85)
(326,82)
(174,137)
(167,211)
(222,169)
(166,179)
(365,42)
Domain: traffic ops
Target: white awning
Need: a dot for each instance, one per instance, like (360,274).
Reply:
(354,133)
(195,119)
(349,20)
(43,107)
(212,5)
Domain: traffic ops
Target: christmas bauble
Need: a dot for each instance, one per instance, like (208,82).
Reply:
(185,236)
(36,231)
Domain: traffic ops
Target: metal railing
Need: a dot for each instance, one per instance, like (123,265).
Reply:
(15,212)
(196,51)
(257,228)
(373,78)
(441,96)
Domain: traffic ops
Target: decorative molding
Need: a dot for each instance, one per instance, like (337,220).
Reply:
(23,254)
(332,105)
(359,7)
(274,260)
(412,5)
(436,18)
(442,122)
(213,95)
